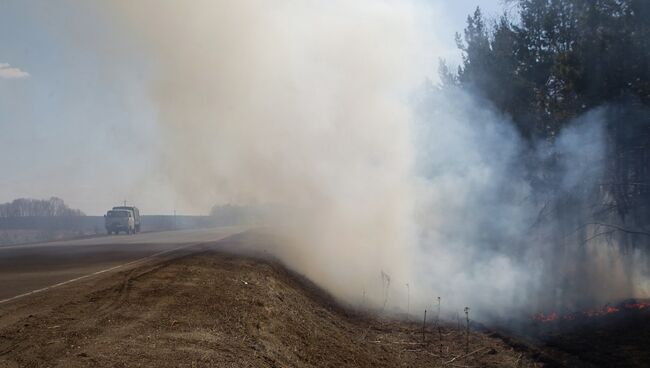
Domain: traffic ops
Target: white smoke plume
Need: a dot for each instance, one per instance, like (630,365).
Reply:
(298,103)
(308,104)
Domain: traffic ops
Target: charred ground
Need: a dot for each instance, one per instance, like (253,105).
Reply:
(617,339)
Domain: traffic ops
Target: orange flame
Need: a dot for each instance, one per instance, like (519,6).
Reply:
(590,313)
(637,306)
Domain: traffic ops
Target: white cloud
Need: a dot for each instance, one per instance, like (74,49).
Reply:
(9,72)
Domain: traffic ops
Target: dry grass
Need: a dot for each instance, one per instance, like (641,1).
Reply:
(221,310)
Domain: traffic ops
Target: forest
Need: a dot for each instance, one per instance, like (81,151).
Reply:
(546,63)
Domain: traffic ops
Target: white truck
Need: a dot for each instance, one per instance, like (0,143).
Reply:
(136,215)
(117,220)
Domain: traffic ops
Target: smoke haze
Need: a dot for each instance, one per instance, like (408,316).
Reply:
(318,107)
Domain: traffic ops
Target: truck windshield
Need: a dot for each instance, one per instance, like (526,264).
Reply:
(118,214)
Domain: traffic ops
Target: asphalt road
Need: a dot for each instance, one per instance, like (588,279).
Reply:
(30,267)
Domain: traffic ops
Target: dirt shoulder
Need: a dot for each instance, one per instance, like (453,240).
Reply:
(209,308)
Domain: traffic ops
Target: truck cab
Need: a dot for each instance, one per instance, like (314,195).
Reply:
(120,220)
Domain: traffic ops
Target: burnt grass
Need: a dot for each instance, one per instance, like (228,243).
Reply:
(612,340)
(618,340)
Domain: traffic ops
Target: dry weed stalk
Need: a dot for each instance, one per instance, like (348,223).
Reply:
(439,327)
(408,302)
(385,282)
(424,325)
(467,334)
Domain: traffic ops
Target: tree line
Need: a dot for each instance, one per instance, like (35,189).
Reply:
(24,207)
(553,61)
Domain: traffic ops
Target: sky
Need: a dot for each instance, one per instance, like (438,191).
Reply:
(76,117)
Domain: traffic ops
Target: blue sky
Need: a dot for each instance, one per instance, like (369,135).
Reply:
(60,123)
(80,127)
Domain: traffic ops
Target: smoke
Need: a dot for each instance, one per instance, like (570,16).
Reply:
(503,225)
(314,106)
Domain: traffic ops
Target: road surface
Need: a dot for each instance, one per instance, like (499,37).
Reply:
(25,269)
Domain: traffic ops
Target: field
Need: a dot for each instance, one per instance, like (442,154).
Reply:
(210,307)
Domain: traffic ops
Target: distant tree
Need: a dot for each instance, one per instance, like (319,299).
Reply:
(22,207)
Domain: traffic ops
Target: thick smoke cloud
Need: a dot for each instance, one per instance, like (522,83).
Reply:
(309,105)
(303,104)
